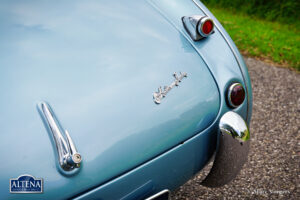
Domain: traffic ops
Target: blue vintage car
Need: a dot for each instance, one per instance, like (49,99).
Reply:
(117,99)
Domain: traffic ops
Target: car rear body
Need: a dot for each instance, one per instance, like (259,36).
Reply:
(98,63)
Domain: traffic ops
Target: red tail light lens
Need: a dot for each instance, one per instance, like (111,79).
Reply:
(236,95)
(205,26)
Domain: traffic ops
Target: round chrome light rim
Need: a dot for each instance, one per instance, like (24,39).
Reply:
(201,23)
(232,86)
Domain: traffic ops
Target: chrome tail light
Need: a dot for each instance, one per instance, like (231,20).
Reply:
(197,26)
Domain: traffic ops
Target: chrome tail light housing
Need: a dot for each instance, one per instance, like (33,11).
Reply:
(198,27)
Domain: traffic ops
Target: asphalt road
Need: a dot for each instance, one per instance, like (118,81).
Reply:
(273,167)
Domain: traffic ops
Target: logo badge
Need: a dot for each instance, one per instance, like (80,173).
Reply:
(26,184)
(161,93)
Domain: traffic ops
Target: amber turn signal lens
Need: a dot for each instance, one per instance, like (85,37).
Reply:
(236,95)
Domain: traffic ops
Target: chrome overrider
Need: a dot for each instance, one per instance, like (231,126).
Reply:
(232,150)
(68,157)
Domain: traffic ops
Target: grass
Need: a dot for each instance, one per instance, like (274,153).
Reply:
(273,10)
(273,42)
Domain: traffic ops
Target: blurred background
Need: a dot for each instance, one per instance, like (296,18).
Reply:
(265,29)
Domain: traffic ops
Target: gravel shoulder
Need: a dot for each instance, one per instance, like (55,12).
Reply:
(273,167)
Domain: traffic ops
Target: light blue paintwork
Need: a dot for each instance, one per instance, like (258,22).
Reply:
(97,64)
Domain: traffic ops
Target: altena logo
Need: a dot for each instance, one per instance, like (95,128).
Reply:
(26,184)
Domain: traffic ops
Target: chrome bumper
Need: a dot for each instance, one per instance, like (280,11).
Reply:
(232,150)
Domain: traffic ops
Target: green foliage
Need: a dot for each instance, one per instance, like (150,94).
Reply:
(272,41)
(275,10)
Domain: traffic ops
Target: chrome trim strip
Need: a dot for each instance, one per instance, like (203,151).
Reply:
(157,195)
(234,53)
(68,156)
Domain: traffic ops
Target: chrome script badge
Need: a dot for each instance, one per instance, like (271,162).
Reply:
(26,184)
(158,96)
